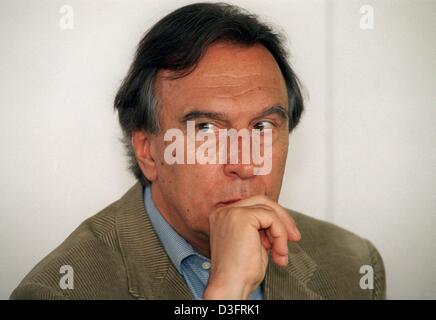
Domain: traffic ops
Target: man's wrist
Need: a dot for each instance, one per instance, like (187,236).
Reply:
(215,291)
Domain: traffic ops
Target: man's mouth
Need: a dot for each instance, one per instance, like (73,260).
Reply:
(227,202)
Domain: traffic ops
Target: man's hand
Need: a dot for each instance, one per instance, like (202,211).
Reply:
(240,236)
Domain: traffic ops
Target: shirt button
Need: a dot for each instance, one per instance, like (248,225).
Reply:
(205,265)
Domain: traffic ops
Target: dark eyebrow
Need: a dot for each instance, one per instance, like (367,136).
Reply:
(195,114)
(279,110)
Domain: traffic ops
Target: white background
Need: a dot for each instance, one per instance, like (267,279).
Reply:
(364,156)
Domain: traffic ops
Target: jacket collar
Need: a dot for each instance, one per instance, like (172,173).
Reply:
(151,275)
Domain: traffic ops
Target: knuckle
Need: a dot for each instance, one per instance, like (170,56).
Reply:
(266,208)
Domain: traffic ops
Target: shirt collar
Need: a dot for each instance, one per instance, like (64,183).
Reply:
(175,246)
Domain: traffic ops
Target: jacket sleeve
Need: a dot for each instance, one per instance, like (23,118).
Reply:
(33,291)
(379,292)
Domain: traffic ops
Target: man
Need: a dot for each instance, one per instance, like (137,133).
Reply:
(213,230)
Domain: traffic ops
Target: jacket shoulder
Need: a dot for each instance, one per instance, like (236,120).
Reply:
(343,259)
(87,263)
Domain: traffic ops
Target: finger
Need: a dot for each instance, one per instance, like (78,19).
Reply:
(269,238)
(293,232)
(277,258)
(269,220)
(268,234)
(286,223)
(264,240)
(259,200)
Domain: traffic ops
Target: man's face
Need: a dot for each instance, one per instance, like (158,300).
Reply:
(240,84)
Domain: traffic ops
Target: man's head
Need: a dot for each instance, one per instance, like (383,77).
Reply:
(219,66)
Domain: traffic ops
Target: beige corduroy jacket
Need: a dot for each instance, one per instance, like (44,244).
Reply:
(117,255)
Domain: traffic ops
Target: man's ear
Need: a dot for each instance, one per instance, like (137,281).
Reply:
(142,146)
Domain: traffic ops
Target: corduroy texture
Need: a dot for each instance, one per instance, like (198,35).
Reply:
(117,255)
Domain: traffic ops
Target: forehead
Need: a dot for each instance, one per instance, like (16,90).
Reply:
(226,74)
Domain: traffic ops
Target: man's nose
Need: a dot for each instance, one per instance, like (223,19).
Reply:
(241,168)
(242,171)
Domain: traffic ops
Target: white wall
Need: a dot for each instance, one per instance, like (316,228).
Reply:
(384,137)
(363,157)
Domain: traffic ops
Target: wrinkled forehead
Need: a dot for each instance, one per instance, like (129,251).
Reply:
(226,71)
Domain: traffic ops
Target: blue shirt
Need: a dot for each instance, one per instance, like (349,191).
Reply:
(191,265)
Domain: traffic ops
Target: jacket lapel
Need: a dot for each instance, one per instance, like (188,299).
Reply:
(290,283)
(150,273)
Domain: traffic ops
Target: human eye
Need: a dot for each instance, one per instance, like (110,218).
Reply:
(206,127)
(262,125)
